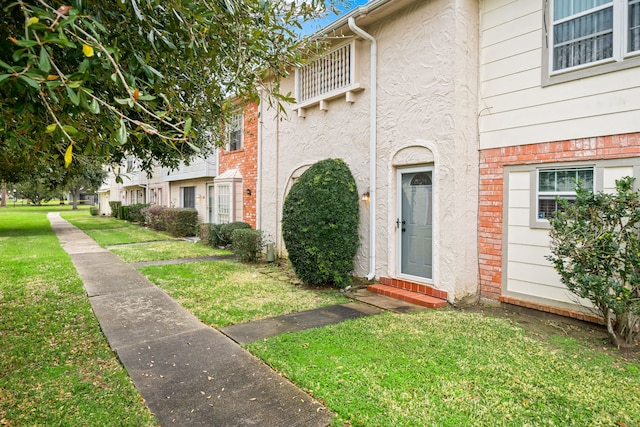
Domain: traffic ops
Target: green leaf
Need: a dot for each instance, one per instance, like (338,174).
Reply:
(18,54)
(51,128)
(43,64)
(7,66)
(29,81)
(94,106)
(73,96)
(70,129)
(27,43)
(4,76)
(122,135)
(187,127)
(193,147)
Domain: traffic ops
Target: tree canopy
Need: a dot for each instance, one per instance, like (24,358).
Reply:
(154,79)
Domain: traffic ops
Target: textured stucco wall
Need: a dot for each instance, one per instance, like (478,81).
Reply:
(427,62)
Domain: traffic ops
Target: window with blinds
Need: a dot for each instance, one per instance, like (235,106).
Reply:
(587,32)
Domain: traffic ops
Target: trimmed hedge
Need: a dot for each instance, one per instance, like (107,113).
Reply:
(137,212)
(222,234)
(320,224)
(115,206)
(123,212)
(180,222)
(226,230)
(247,243)
(214,238)
(155,218)
(93,211)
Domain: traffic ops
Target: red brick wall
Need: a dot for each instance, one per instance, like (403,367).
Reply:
(492,163)
(246,161)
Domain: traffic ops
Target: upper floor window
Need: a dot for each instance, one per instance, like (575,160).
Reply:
(332,71)
(560,183)
(588,32)
(235,131)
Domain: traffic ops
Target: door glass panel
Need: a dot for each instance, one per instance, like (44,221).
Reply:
(417,224)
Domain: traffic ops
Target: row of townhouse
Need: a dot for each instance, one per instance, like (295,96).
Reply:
(231,196)
(461,120)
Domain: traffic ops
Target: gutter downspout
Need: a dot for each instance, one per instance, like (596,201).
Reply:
(259,167)
(372,144)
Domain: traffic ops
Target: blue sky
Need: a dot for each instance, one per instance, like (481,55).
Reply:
(313,26)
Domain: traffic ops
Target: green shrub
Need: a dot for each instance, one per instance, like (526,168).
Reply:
(123,212)
(203,231)
(320,224)
(247,243)
(595,246)
(137,212)
(155,218)
(94,211)
(180,222)
(214,238)
(226,231)
(115,205)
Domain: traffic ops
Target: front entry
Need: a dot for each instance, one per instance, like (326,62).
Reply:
(415,222)
(211,204)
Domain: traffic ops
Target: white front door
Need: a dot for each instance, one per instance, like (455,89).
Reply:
(415,222)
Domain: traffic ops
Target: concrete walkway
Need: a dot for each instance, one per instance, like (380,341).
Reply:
(188,373)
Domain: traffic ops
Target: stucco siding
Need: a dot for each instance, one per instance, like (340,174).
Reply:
(518,109)
(426,115)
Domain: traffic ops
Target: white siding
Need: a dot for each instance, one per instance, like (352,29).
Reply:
(612,174)
(517,110)
(527,271)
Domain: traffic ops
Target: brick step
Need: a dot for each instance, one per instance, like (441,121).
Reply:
(408,296)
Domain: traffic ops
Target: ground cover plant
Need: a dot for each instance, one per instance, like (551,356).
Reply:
(449,368)
(223,293)
(56,367)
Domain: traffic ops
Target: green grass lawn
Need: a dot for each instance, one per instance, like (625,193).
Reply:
(223,293)
(56,367)
(449,368)
(111,231)
(435,368)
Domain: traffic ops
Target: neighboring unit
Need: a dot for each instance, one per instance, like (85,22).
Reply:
(560,101)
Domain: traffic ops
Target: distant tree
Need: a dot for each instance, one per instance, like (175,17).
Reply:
(44,185)
(84,176)
(595,246)
(152,79)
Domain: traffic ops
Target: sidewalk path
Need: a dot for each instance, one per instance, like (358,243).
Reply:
(188,373)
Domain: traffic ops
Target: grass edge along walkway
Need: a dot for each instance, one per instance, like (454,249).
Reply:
(177,362)
(56,366)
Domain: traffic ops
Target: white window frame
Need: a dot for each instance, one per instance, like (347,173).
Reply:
(183,199)
(563,194)
(620,58)
(235,132)
(223,199)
